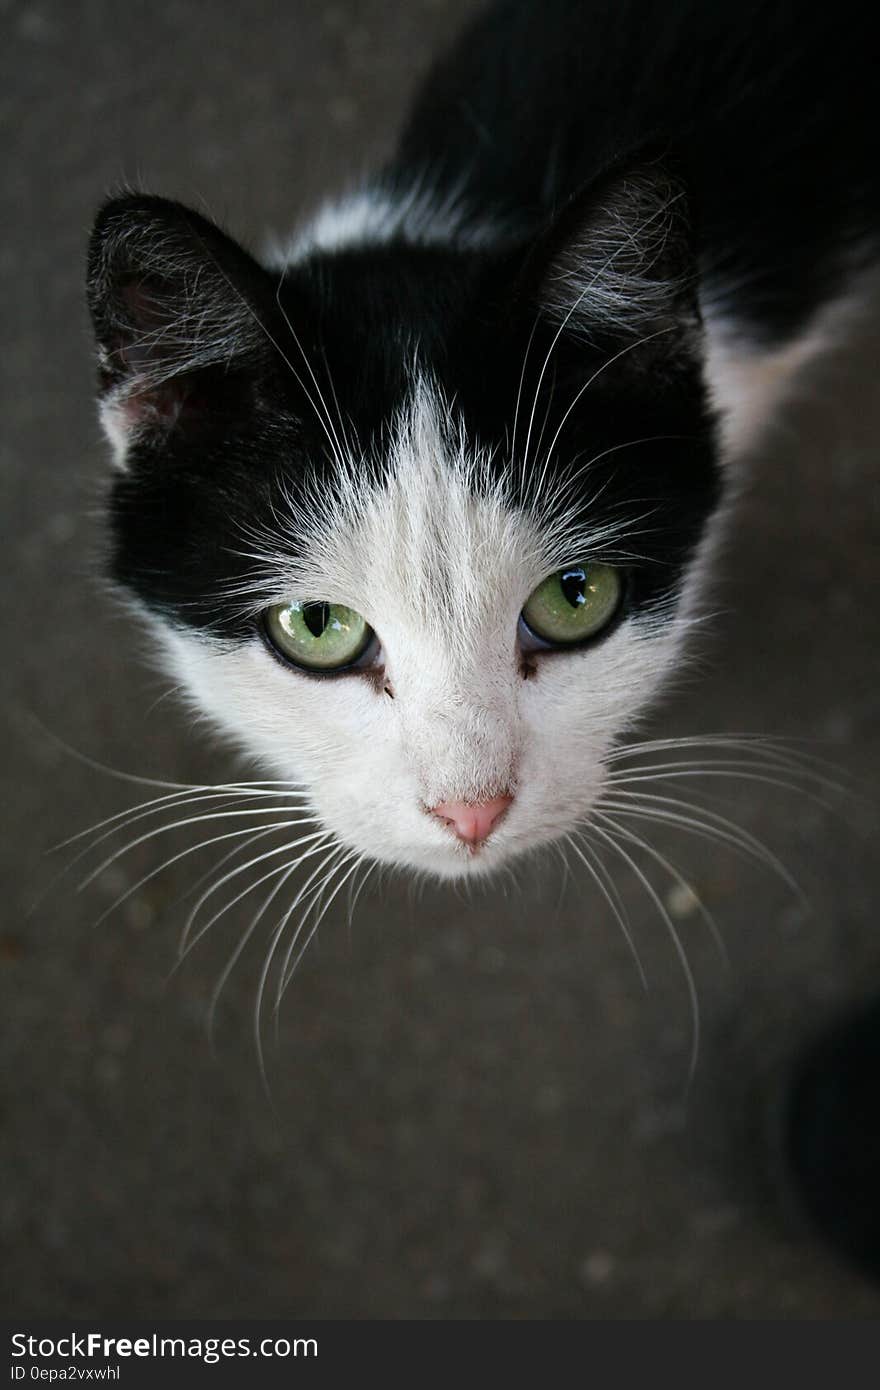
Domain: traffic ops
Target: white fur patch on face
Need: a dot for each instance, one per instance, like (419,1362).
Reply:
(439,561)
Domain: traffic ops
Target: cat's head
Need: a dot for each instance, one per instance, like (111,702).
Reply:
(413,523)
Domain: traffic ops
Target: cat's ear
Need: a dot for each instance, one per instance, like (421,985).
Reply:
(178,312)
(618,262)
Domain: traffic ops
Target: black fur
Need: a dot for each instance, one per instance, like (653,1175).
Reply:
(746,128)
(768,107)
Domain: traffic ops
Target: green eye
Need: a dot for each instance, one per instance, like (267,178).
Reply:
(320,636)
(574,603)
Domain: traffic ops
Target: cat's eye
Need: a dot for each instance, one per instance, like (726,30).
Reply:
(573,604)
(316,635)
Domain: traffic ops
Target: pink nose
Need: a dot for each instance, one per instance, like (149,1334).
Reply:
(472,821)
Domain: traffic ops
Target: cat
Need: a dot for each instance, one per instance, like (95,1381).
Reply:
(420,509)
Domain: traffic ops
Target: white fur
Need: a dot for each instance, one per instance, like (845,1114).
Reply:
(116,427)
(439,559)
(440,562)
(608,277)
(749,385)
(373,216)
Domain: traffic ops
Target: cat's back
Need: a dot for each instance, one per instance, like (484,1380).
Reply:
(767,108)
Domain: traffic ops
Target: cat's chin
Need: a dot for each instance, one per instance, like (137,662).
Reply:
(457,863)
(427,846)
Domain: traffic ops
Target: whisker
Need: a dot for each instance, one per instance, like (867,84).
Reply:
(180,824)
(609,362)
(356,891)
(604,882)
(519,392)
(715,766)
(564,323)
(270,338)
(325,420)
(742,775)
(246,937)
(242,789)
(121,776)
(756,745)
(138,815)
(674,938)
(328,869)
(566,875)
(186,948)
(122,822)
(574,478)
(267,964)
(678,878)
(539,485)
(174,859)
(339,417)
(718,753)
(288,973)
(224,859)
(702,823)
(145,807)
(226,878)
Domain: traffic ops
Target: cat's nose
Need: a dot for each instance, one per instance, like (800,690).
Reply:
(472,821)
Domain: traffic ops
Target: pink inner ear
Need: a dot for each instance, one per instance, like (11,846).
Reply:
(146,301)
(161,403)
(146,321)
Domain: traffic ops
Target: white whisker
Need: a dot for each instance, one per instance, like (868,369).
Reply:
(267,964)
(596,278)
(356,889)
(702,823)
(289,870)
(138,815)
(185,948)
(325,419)
(175,858)
(226,878)
(288,971)
(224,859)
(519,397)
(677,877)
(180,825)
(605,883)
(674,938)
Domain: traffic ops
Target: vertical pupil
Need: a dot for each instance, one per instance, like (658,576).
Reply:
(573,583)
(316,616)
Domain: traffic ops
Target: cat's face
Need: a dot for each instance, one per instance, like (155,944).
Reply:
(403,453)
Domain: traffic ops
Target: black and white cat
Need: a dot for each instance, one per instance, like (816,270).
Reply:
(419,511)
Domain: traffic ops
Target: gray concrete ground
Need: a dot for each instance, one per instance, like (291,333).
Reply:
(477,1111)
